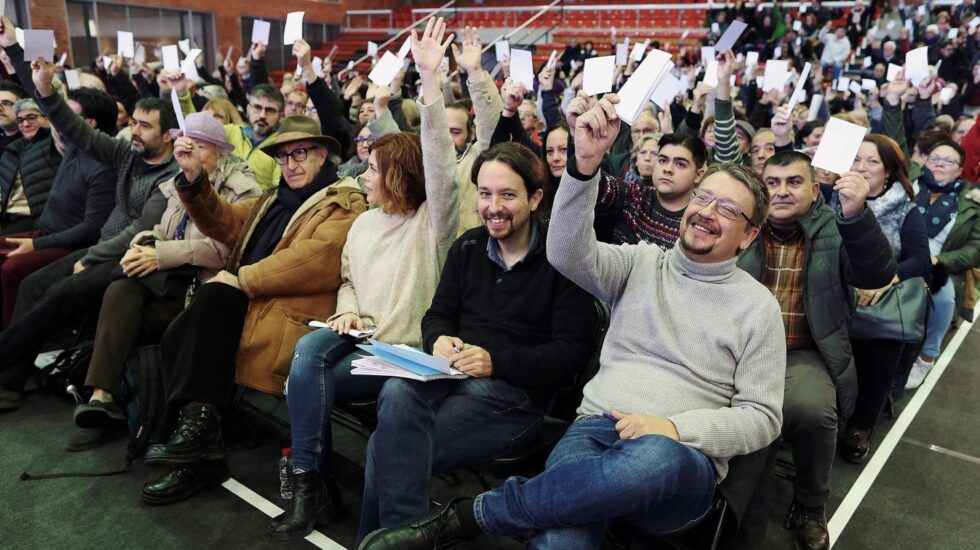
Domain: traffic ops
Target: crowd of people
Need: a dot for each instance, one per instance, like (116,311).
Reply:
(461,213)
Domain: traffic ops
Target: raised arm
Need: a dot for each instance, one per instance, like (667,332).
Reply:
(328,106)
(438,159)
(601,269)
(726,144)
(486,100)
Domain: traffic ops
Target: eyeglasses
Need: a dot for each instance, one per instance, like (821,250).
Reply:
(6,104)
(940,161)
(362,139)
(27,119)
(298,155)
(728,209)
(261,109)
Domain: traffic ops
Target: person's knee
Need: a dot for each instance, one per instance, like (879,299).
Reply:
(398,398)
(815,409)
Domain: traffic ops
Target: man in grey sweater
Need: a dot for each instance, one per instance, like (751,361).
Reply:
(670,405)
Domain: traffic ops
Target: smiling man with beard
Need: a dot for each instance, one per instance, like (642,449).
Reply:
(691,372)
(502,315)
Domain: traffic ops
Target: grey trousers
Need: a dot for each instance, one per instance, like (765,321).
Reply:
(810,424)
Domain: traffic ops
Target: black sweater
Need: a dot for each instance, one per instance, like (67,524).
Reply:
(537,325)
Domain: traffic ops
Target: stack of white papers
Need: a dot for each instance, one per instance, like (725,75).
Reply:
(633,96)
(403,362)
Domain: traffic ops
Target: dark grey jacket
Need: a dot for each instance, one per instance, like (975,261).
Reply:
(37,162)
(840,254)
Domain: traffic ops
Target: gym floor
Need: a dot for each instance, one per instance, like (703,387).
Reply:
(919,497)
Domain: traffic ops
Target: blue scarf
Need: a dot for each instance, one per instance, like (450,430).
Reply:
(937,214)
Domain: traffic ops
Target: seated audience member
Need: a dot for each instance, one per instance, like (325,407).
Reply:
(59,294)
(81,197)
(951,207)
(660,420)
(382,125)
(890,197)
(515,118)
(961,128)
(389,270)
(295,103)
(223,111)
(502,315)
(555,144)
(160,265)
(810,256)
(10,93)
(244,322)
(27,168)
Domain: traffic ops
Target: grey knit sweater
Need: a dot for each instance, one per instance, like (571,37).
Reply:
(700,344)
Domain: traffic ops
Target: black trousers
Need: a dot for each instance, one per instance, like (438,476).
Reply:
(131,315)
(48,300)
(876,362)
(199,348)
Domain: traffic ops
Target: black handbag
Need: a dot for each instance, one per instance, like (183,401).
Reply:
(899,315)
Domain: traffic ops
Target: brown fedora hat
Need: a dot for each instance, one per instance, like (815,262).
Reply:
(301,128)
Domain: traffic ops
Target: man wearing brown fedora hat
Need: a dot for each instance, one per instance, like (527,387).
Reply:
(242,326)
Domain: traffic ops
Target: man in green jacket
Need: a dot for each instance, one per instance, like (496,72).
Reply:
(810,256)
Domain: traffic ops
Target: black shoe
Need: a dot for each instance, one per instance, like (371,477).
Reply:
(855,445)
(10,400)
(440,528)
(196,439)
(98,414)
(311,496)
(810,525)
(184,482)
(84,439)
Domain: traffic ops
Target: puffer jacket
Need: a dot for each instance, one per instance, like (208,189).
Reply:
(37,162)
(840,254)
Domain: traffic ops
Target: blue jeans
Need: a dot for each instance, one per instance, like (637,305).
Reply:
(319,375)
(593,476)
(940,317)
(433,427)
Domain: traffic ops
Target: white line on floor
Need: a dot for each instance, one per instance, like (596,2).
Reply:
(870,472)
(317,538)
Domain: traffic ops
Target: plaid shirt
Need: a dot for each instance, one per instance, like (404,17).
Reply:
(784,278)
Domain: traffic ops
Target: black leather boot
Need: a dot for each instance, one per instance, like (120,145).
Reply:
(810,524)
(197,438)
(311,496)
(184,482)
(441,528)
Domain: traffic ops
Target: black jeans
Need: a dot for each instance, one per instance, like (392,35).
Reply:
(47,301)
(199,348)
(876,362)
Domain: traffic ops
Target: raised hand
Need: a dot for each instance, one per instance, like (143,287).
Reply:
(700,97)
(512,94)
(429,50)
(175,81)
(595,132)
(185,153)
(257,51)
(546,79)
(470,57)
(726,64)
(780,125)
(852,189)
(577,107)
(666,120)
(8,33)
(382,95)
(895,89)
(42,72)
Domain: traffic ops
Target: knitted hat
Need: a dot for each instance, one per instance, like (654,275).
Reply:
(205,127)
(745,127)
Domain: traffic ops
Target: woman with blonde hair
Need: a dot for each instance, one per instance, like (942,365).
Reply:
(224,111)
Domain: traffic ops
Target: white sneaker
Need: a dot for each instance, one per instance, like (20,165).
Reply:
(918,373)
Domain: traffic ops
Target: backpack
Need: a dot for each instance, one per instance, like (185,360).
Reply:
(65,376)
(142,395)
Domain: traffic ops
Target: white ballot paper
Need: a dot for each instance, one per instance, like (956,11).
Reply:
(38,43)
(521,68)
(664,94)
(633,96)
(372,49)
(917,65)
(946,94)
(260,32)
(869,84)
(189,67)
(598,75)
(171,58)
(552,59)
(71,78)
(751,59)
(405,49)
(502,49)
(815,102)
(184,45)
(839,145)
(732,34)
(707,54)
(385,69)
(866,62)
(639,49)
(892,72)
(798,91)
(854,87)
(124,40)
(294,28)
(711,74)
(180,116)
(622,54)
(842,84)
(776,75)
